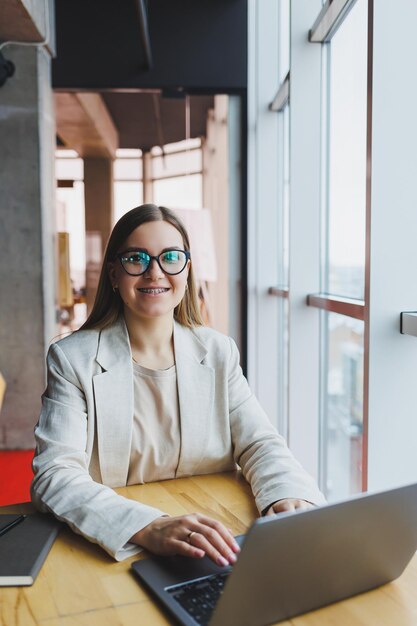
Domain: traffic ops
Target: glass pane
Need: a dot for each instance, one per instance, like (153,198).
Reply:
(284,40)
(65,153)
(174,164)
(179,146)
(126,153)
(127,195)
(283,367)
(284,197)
(347,155)
(128,169)
(184,192)
(69,169)
(71,219)
(342,415)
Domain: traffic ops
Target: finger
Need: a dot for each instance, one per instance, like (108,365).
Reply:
(303,504)
(235,545)
(224,532)
(300,504)
(201,541)
(186,549)
(283,506)
(210,536)
(220,538)
(291,504)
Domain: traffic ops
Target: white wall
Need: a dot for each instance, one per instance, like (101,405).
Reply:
(392,437)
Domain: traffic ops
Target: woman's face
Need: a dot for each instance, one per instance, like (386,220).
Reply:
(154,293)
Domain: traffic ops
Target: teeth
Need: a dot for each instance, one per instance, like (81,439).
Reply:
(153,290)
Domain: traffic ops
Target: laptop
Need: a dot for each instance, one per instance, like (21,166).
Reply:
(292,563)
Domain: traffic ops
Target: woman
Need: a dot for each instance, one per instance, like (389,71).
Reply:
(144,392)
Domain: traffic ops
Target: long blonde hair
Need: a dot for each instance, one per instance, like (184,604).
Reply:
(108,305)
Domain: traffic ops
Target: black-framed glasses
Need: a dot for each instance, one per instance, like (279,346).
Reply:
(136,262)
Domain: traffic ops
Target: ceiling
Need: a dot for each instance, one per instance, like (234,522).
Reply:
(144,120)
(122,69)
(133,67)
(97,124)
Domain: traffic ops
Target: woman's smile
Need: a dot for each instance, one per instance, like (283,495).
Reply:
(153,291)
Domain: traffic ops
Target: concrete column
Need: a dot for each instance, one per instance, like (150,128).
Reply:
(98,193)
(27,240)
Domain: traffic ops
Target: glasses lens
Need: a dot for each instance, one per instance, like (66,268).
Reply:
(173,261)
(136,262)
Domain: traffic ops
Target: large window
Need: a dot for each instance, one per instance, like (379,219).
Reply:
(128,186)
(70,215)
(333,241)
(352,233)
(344,110)
(177,175)
(173,176)
(345,58)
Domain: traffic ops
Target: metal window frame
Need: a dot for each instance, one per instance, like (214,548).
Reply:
(170,176)
(408,323)
(280,292)
(329,20)
(350,307)
(282,97)
(168,153)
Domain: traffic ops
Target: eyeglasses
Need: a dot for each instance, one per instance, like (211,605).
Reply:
(137,262)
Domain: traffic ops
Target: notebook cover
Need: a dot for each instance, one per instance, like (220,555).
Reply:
(24,548)
(5,520)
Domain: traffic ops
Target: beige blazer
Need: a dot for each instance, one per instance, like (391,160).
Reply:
(84,433)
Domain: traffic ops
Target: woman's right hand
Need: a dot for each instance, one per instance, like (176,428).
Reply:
(190,535)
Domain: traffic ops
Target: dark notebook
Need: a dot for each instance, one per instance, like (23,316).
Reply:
(25,541)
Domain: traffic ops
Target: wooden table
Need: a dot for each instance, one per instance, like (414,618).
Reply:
(79,585)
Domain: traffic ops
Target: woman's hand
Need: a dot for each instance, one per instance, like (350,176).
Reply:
(288,504)
(190,535)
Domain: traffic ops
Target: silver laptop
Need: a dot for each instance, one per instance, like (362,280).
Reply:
(292,563)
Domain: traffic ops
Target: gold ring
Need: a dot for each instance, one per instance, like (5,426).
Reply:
(190,534)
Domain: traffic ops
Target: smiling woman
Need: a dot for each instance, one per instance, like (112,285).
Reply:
(151,274)
(144,392)
(132,235)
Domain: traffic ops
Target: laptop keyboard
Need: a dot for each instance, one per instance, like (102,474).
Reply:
(199,597)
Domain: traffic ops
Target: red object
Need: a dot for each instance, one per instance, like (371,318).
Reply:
(16,476)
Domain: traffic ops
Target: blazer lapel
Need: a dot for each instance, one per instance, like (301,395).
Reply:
(113,393)
(195,383)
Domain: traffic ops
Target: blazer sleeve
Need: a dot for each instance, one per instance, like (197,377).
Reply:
(62,483)
(266,461)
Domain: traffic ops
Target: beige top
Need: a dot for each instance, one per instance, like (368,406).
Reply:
(156,425)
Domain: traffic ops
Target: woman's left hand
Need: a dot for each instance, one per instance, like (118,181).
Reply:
(288,504)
